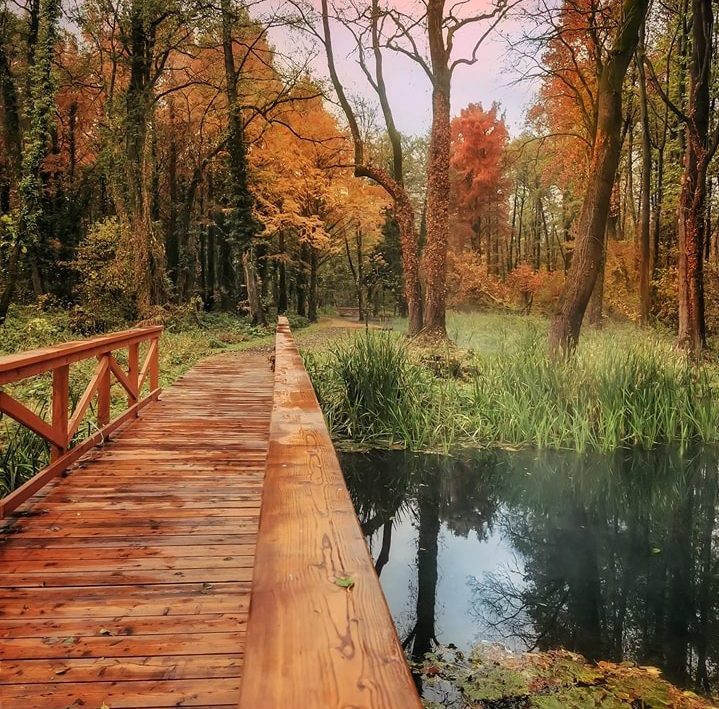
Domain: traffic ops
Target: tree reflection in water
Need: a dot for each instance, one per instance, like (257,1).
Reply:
(616,556)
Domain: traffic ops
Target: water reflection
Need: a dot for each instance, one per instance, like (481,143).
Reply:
(614,557)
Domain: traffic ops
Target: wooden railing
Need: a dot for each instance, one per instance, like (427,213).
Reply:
(319,633)
(64,424)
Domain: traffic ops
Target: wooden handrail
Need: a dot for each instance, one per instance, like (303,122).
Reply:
(64,424)
(19,366)
(320,633)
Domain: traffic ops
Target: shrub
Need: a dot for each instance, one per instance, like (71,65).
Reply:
(106,286)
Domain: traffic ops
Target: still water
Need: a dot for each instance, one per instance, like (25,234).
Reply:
(615,557)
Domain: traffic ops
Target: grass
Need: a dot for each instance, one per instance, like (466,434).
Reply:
(624,387)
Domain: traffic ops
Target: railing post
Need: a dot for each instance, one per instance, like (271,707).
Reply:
(133,373)
(60,403)
(103,396)
(155,366)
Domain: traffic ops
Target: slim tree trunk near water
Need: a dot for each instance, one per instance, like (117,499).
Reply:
(589,249)
(435,252)
(692,200)
(645,274)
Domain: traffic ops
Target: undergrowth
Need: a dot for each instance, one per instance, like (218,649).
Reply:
(378,389)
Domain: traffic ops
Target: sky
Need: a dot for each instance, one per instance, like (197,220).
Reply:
(490,79)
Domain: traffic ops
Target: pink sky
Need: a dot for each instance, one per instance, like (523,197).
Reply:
(490,79)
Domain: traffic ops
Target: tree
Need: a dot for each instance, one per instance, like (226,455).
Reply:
(30,224)
(692,202)
(393,183)
(478,161)
(440,25)
(645,274)
(589,249)
(243,225)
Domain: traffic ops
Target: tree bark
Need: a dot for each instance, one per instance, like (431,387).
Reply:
(257,313)
(312,299)
(438,183)
(282,285)
(692,200)
(582,275)
(645,265)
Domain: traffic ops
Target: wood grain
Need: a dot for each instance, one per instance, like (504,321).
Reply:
(127,582)
(309,641)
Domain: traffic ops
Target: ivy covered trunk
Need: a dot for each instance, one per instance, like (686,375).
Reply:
(692,201)
(404,214)
(244,227)
(435,251)
(257,313)
(26,235)
(146,247)
(589,248)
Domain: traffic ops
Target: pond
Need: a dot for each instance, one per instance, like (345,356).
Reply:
(615,557)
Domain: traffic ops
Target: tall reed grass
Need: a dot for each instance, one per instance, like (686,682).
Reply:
(374,389)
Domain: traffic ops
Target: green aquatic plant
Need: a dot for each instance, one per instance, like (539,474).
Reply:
(492,678)
(377,388)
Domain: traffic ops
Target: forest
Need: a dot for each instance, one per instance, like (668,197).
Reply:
(493,227)
(163,156)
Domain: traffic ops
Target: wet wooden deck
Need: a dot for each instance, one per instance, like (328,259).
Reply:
(128,582)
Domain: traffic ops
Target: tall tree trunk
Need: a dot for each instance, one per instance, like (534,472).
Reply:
(32,213)
(438,183)
(301,281)
(312,299)
(243,224)
(257,313)
(13,168)
(582,275)
(392,184)
(692,200)
(282,295)
(134,194)
(172,241)
(645,265)
(356,272)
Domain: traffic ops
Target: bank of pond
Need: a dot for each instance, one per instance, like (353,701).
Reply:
(621,388)
(612,556)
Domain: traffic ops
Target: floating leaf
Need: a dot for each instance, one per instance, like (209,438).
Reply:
(345,582)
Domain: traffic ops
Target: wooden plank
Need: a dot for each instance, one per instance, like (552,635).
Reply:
(41,554)
(72,563)
(122,695)
(81,626)
(109,669)
(109,577)
(137,542)
(73,646)
(349,653)
(126,582)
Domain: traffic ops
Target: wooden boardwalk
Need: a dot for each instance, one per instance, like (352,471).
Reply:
(128,582)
